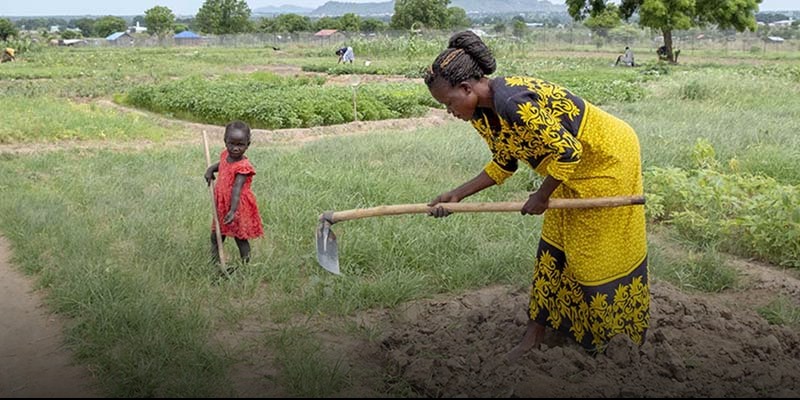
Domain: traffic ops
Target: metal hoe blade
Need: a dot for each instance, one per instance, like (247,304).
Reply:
(327,249)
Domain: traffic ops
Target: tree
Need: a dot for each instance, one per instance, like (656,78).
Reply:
(519,28)
(108,25)
(159,20)
(350,22)
(7,29)
(604,21)
(670,15)
(431,14)
(327,23)
(457,18)
(291,23)
(86,25)
(66,35)
(223,17)
(373,25)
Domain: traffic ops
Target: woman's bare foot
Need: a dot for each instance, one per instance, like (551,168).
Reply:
(532,338)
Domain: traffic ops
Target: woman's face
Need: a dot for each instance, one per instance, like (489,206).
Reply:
(460,100)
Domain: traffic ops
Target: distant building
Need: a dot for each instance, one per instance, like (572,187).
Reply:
(785,22)
(188,38)
(329,35)
(479,32)
(120,39)
(73,42)
(137,28)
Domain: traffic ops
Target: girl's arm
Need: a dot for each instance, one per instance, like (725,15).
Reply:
(210,173)
(235,194)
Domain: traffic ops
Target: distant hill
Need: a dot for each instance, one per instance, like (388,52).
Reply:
(337,8)
(284,9)
(507,6)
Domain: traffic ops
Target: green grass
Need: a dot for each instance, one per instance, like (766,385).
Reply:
(753,120)
(308,369)
(120,240)
(781,311)
(695,271)
(49,119)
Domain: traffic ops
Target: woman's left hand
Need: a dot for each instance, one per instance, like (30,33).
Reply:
(536,204)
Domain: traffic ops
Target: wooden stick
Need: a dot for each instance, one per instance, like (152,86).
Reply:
(482,207)
(214,211)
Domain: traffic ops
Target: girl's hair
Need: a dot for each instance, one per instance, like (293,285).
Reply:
(237,126)
(466,57)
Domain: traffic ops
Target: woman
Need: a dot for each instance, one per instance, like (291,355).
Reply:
(346,55)
(590,275)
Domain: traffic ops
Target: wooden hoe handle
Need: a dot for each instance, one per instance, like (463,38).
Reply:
(507,206)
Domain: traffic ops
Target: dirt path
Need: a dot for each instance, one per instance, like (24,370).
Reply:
(33,359)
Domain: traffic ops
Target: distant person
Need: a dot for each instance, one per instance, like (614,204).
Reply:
(662,52)
(9,55)
(236,204)
(626,58)
(346,55)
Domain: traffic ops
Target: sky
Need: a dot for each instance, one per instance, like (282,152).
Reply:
(13,8)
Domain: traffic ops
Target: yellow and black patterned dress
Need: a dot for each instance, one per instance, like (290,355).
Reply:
(590,277)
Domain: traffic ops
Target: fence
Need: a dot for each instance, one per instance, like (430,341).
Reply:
(575,38)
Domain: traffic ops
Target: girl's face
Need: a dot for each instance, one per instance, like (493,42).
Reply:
(460,100)
(236,143)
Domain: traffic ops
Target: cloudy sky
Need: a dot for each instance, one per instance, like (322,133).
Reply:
(190,7)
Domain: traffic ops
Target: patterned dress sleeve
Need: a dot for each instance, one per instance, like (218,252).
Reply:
(503,163)
(532,116)
(244,167)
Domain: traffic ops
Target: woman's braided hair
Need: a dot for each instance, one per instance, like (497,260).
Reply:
(466,57)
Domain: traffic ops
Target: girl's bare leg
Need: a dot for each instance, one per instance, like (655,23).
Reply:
(532,338)
(244,249)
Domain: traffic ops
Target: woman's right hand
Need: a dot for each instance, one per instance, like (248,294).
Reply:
(439,212)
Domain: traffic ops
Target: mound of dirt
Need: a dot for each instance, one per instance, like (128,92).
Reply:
(694,348)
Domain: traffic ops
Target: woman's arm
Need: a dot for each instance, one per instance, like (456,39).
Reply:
(474,185)
(537,201)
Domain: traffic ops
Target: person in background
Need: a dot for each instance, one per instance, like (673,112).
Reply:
(589,278)
(626,58)
(9,54)
(346,55)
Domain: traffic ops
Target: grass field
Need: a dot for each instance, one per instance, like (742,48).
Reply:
(119,238)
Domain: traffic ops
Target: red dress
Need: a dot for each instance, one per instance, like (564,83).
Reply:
(247,222)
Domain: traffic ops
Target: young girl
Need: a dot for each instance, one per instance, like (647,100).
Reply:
(237,208)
